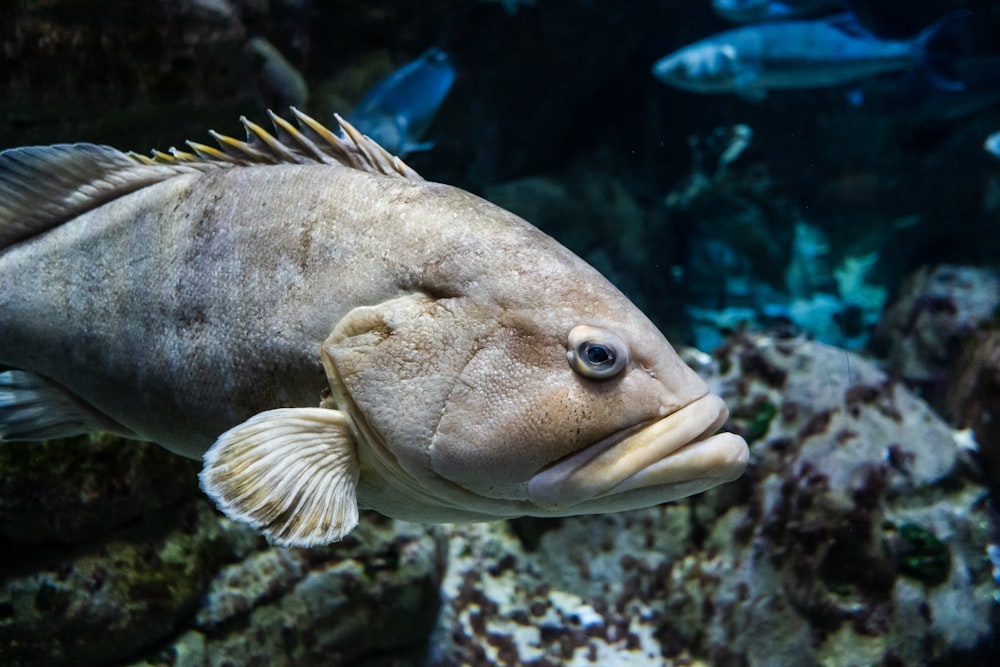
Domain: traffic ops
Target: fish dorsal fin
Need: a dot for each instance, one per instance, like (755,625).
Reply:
(43,186)
(310,142)
(848,24)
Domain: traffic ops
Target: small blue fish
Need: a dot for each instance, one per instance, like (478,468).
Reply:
(754,59)
(992,144)
(397,111)
(751,11)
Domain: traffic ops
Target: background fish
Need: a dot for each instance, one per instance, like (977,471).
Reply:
(754,59)
(749,11)
(398,110)
(332,332)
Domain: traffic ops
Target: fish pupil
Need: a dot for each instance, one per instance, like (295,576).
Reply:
(599,355)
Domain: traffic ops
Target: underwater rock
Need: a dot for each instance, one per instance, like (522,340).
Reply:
(586,595)
(856,537)
(109,550)
(103,602)
(974,400)
(80,489)
(137,69)
(163,589)
(376,592)
(864,528)
(924,330)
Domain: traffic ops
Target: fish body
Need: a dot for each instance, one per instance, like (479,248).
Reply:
(329,331)
(752,11)
(398,110)
(754,59)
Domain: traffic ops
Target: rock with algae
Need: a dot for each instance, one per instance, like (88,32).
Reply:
(136,68)
(101,602)
(856,537)
(974,399)
(374,593)
(935,316)
(864,534)
(77,490)
(110,552)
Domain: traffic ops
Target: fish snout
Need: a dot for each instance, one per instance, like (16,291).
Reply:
(669,458)
(670,69)
(707,67)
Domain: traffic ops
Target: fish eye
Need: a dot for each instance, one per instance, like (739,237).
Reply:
(596,353)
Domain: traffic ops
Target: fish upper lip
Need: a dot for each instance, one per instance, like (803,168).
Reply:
(629,459)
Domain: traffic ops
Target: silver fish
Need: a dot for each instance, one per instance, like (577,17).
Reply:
(330,331)
(754,59)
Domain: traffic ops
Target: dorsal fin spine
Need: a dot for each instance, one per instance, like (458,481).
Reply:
(280,150)
(44,186)
(206,152)
(287,132)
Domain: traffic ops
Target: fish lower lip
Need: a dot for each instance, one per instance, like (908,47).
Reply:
(675,450)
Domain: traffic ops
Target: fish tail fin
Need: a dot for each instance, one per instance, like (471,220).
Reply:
(33,408)
(937,49)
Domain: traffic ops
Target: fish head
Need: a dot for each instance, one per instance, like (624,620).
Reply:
(472,408)
(704,67)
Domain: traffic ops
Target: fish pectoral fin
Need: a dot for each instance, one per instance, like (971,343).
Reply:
(33,408)
(292,473)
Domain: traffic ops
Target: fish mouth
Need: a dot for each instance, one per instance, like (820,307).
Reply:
(645,465)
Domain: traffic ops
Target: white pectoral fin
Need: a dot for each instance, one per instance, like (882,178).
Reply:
(33,408)
(292,473)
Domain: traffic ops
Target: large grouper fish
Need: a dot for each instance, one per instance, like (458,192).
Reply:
(330,331)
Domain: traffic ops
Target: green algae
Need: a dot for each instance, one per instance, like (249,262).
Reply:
(760,421)
(922,555)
